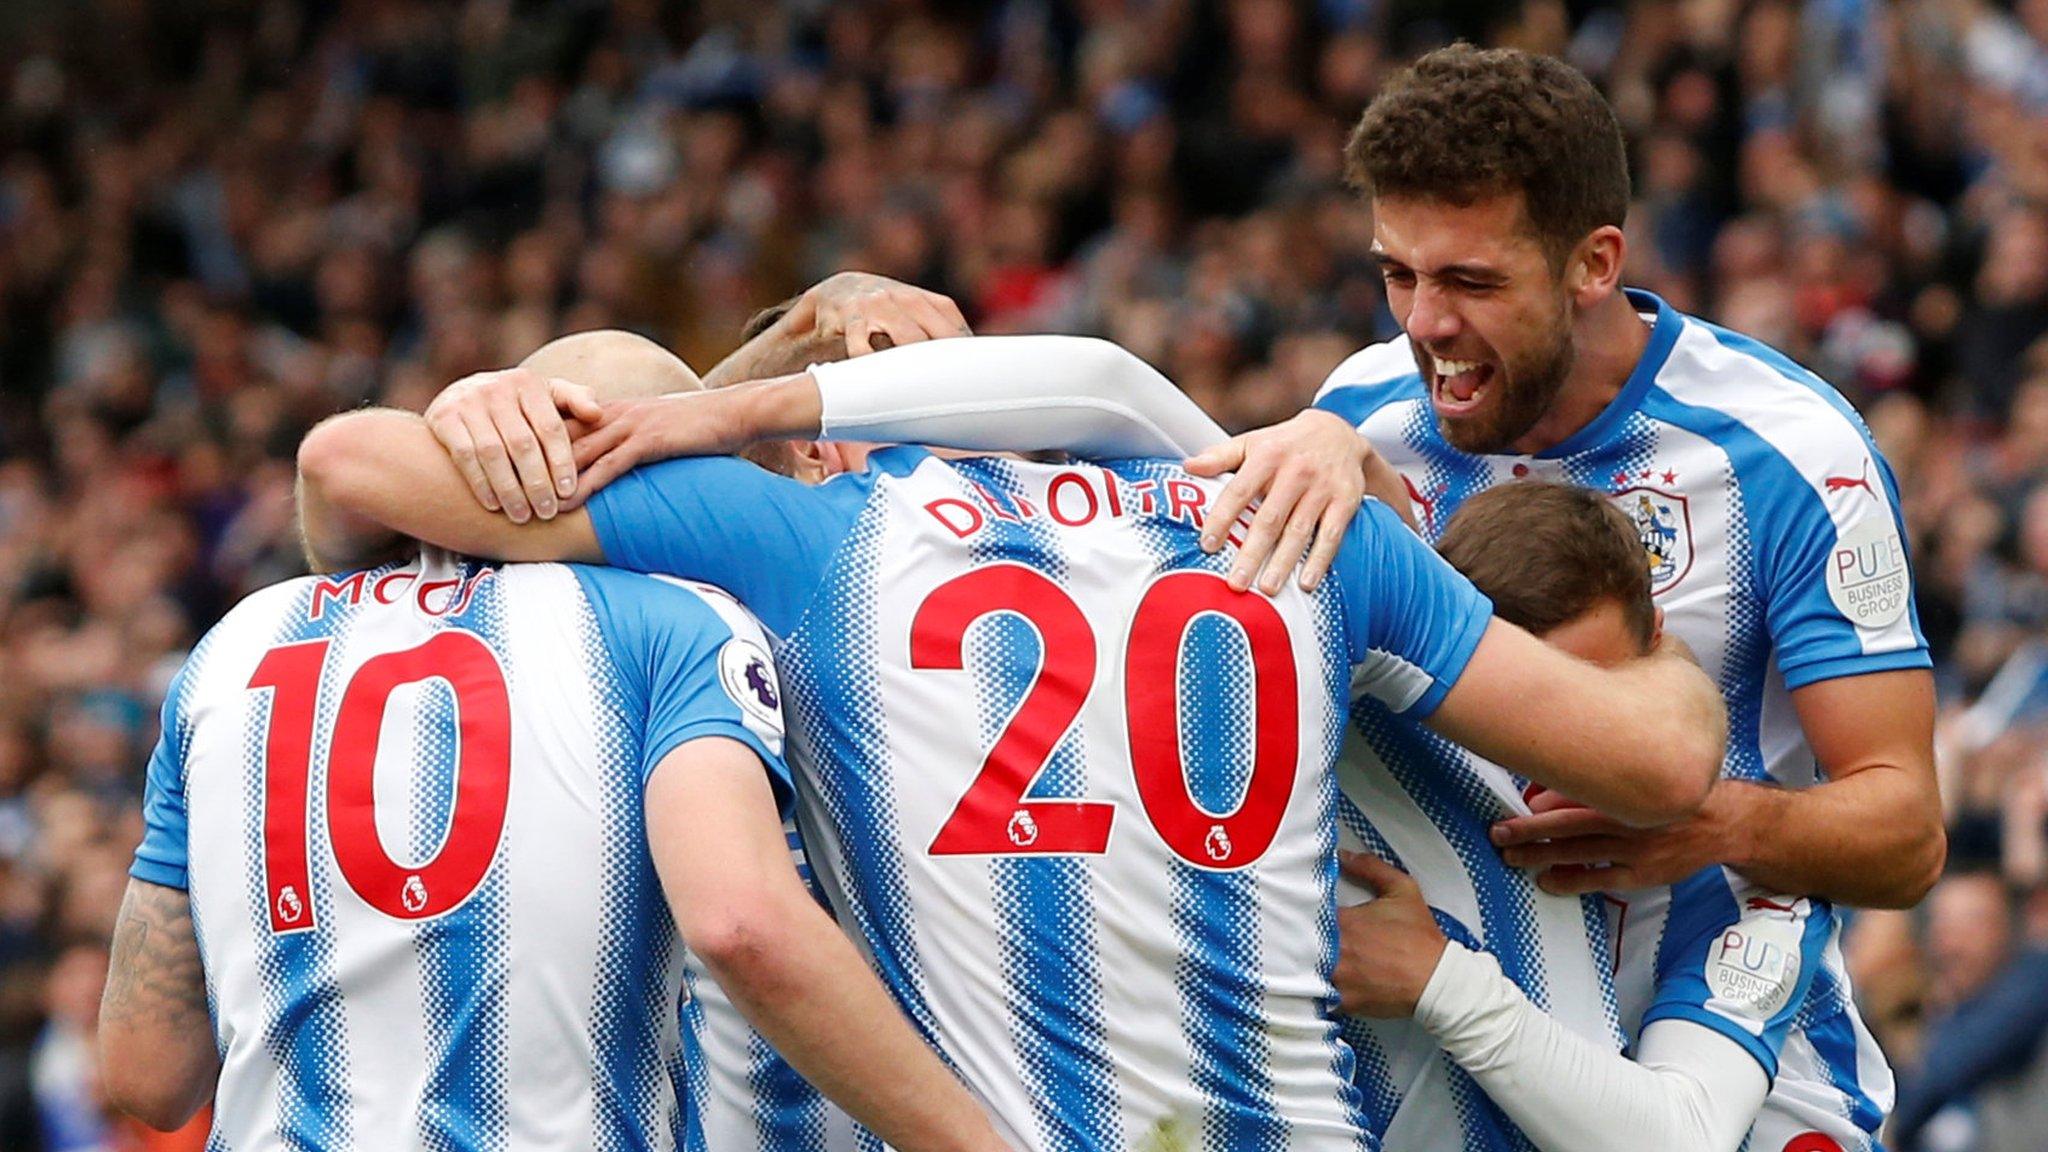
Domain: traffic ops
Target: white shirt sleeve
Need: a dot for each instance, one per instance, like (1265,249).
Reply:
(1086,396)
(1689,1089)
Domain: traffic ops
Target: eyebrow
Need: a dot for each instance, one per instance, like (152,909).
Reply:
(1479,272)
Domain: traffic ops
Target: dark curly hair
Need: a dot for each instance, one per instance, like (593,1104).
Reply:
(1465,124)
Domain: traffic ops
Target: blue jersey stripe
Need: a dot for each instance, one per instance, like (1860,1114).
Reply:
(1216,917)
(1833,1037)
(307,1031)
(1045,905)
(1216,920)
(636,935)
(1357,402)
(465,956)
(693,1086)
(836,700)
(789,1114)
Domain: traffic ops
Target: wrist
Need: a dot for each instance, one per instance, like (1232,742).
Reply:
(1731,818)
(784,408)
(1455,988)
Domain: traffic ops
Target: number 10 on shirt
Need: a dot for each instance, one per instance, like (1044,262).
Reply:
(994,817)
(433,887)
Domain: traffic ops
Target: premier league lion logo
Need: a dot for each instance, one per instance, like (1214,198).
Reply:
(1663,523)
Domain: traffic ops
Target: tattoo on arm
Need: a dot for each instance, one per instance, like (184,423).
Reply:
(155,981)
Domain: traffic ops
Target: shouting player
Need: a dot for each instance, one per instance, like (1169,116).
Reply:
(1073,790)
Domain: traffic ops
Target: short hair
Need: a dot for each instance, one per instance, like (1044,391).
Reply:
(1465,124)
(1547,553)
(767,318)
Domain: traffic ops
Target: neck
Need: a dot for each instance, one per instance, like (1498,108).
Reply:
(1609,339)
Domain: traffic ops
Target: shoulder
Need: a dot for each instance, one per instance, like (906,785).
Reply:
(1753,400)
(631,599)
(1370,379)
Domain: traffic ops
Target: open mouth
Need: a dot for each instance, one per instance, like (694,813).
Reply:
(1457,387)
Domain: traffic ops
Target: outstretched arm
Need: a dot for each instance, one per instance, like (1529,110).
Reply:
(1577,727)
(383,467)
(1689,1089)
(724,861)
(158,1062)
(997,393)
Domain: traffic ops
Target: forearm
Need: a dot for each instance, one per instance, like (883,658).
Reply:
(806,989)
(1858,840)
(1576,728)
(157,1056)
(1692,1092)
(333,539)
(993,393)
(383,467)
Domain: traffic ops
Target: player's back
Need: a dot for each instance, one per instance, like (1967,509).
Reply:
(417,854)
(1075,795)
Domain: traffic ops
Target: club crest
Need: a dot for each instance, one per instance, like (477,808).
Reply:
(1663,523)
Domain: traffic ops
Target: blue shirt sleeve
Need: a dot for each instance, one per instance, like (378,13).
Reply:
(1739,961)
(1411,618)
(163,856)
(696,665)
(1838,600)
(766,538)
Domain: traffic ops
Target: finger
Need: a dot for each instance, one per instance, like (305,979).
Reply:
(1555,824)
(497,467)
(1225,457)
(1294,542)
(924,307)
(859,336)
(1253,477)
(462,450)
(545,418)
(1267,525)
(1329,541)
(898,329)
(1578,850)
(949,312)
(575,401)
(602,471)
(1578,881)
(1383,878)
(598,441)
(1550,800)
(522,446)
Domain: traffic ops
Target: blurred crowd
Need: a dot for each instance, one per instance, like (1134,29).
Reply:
(221,220)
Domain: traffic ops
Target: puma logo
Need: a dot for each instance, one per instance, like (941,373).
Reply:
(1843,483)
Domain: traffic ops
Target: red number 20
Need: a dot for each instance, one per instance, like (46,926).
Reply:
(994,817)
(482,777)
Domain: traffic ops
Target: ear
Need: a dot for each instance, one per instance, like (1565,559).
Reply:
(1656,627)
(1594,272)
(809,460)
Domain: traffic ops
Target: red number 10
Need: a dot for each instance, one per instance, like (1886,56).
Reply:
(482,778)
(994,817)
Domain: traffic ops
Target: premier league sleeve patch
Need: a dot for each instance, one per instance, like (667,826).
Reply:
(748,676)
(1867,577)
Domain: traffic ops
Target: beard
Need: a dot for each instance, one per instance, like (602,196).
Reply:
(1526,387)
